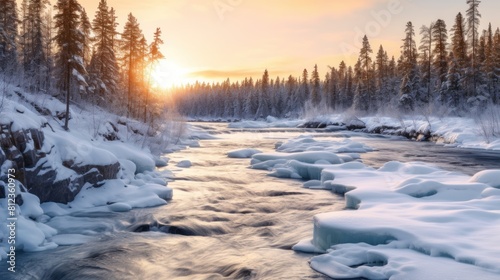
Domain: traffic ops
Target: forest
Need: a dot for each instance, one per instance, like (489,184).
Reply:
(452,72)
(61,52)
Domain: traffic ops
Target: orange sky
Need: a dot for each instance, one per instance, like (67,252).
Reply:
(216,39)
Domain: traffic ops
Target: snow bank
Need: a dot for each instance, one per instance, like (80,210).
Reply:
(455,131)
(304,165)
(143,161)
(412,221)
(87,143)
(308,143)
(270,122)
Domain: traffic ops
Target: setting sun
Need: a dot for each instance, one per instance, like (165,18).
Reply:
(166,74)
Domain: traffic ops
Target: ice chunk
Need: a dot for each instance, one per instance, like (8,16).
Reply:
(308,143)
(184,164)
(306,157)
(120,207)
(243,153)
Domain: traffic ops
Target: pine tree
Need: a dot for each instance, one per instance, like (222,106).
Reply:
(34,56)
(8,36)
(364,95)
(381,64)
(154,56)
(488,66)
(411,95)
(86,29)
(440,38)
(69,40)
(304,92)
(426,49)
(263,109)
(130,46)
(458,42)
(454,78)
(473,17)
(292,93)
(103,68)
(459,61)
(316,87)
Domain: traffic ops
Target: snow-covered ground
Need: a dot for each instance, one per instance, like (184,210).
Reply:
(137,184)
(404,220)
(460,132)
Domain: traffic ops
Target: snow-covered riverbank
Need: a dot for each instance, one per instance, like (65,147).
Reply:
(479,133)
(103,163)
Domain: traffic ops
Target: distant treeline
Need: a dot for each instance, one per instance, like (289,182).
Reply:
(458,70)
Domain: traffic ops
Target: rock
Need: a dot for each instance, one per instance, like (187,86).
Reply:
(23,149)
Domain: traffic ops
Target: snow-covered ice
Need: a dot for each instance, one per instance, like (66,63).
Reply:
(463,132)
(270,122)
(308,143)
(408,219)
(243,153)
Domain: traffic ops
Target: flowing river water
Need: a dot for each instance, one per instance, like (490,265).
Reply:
(225,221)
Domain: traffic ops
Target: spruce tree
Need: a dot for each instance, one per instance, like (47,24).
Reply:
(70,40)
(86,29)
(130,47)
(154,56)
(316,87)
(363,99)
(411,95)
(8,36)
(426,49)
(34,56)
(440,38)
(473,19)
(103,68)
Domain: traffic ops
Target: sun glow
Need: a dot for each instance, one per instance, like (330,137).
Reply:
(166,74)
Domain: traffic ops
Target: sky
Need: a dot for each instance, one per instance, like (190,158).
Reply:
(211,40)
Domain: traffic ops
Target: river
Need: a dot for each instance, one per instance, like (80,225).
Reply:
(225,221)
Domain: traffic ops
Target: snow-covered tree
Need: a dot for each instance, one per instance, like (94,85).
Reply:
(8,36)
(131,58)
(86,29)
(440,63)
(34,57)
(70,40)
(473,19)
(263,109)
(426,57)
(103,68)
(363,96)
(315,87)
(411,95)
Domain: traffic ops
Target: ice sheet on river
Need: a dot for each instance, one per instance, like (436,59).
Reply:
(304,165)
(308,143)
(409,221)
